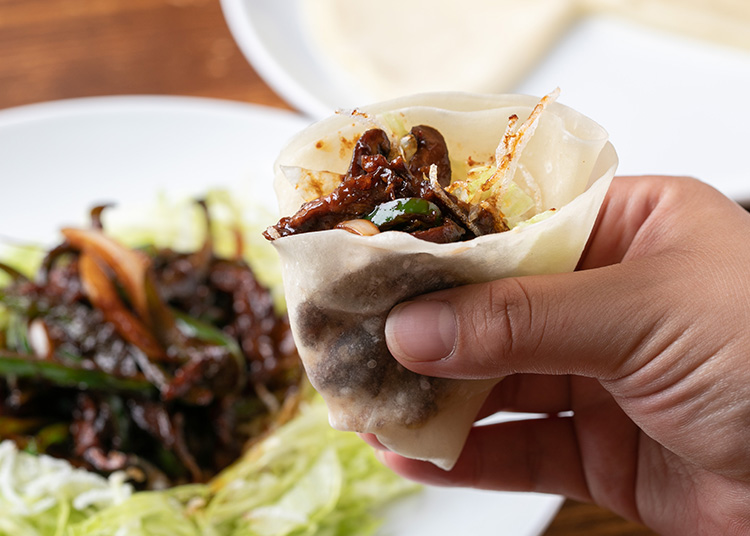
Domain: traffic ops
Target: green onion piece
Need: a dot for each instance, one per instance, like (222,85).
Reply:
(14,426)
(210,334)
(48,436)
(391,212)
(17,334)
(26,366)
(203,331)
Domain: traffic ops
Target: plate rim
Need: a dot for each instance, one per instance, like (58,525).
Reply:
(261,59)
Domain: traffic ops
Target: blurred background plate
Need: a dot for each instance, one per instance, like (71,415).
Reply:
(674,102)
(59,159)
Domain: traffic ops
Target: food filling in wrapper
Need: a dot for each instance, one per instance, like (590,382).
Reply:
(418,194)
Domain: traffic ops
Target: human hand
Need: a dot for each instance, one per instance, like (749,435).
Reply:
(648,345)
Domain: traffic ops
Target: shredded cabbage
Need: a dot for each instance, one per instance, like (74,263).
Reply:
(40,495)
(515,204)
(510,200)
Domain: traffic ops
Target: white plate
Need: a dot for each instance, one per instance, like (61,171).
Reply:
(672,104)
(58,159)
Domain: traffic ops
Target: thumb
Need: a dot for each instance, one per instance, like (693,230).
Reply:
(551,324)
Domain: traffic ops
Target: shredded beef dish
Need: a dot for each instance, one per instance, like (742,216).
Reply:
(157,363)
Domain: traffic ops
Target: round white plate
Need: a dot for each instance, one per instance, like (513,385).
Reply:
(59,159)
(672,104)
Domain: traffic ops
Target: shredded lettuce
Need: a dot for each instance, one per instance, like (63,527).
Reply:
(511,200)
(305,479)
(40,495)
(536,218)
(395,125)
(515,204)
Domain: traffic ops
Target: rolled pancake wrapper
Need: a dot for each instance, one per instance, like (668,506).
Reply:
(340,287)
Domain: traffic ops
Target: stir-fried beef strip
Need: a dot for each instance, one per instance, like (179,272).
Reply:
(379,174)
(164,366)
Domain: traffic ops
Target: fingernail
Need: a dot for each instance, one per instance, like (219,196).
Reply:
(372,440)
(421,330)
(380,456)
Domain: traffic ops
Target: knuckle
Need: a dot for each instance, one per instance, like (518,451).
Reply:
(499,326)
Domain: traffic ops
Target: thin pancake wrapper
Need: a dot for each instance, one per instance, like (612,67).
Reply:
(340,286)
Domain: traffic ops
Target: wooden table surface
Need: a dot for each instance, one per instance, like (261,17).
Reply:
(58,49)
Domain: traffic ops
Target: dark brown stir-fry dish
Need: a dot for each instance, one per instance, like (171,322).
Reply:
(388,188)
(158,363)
